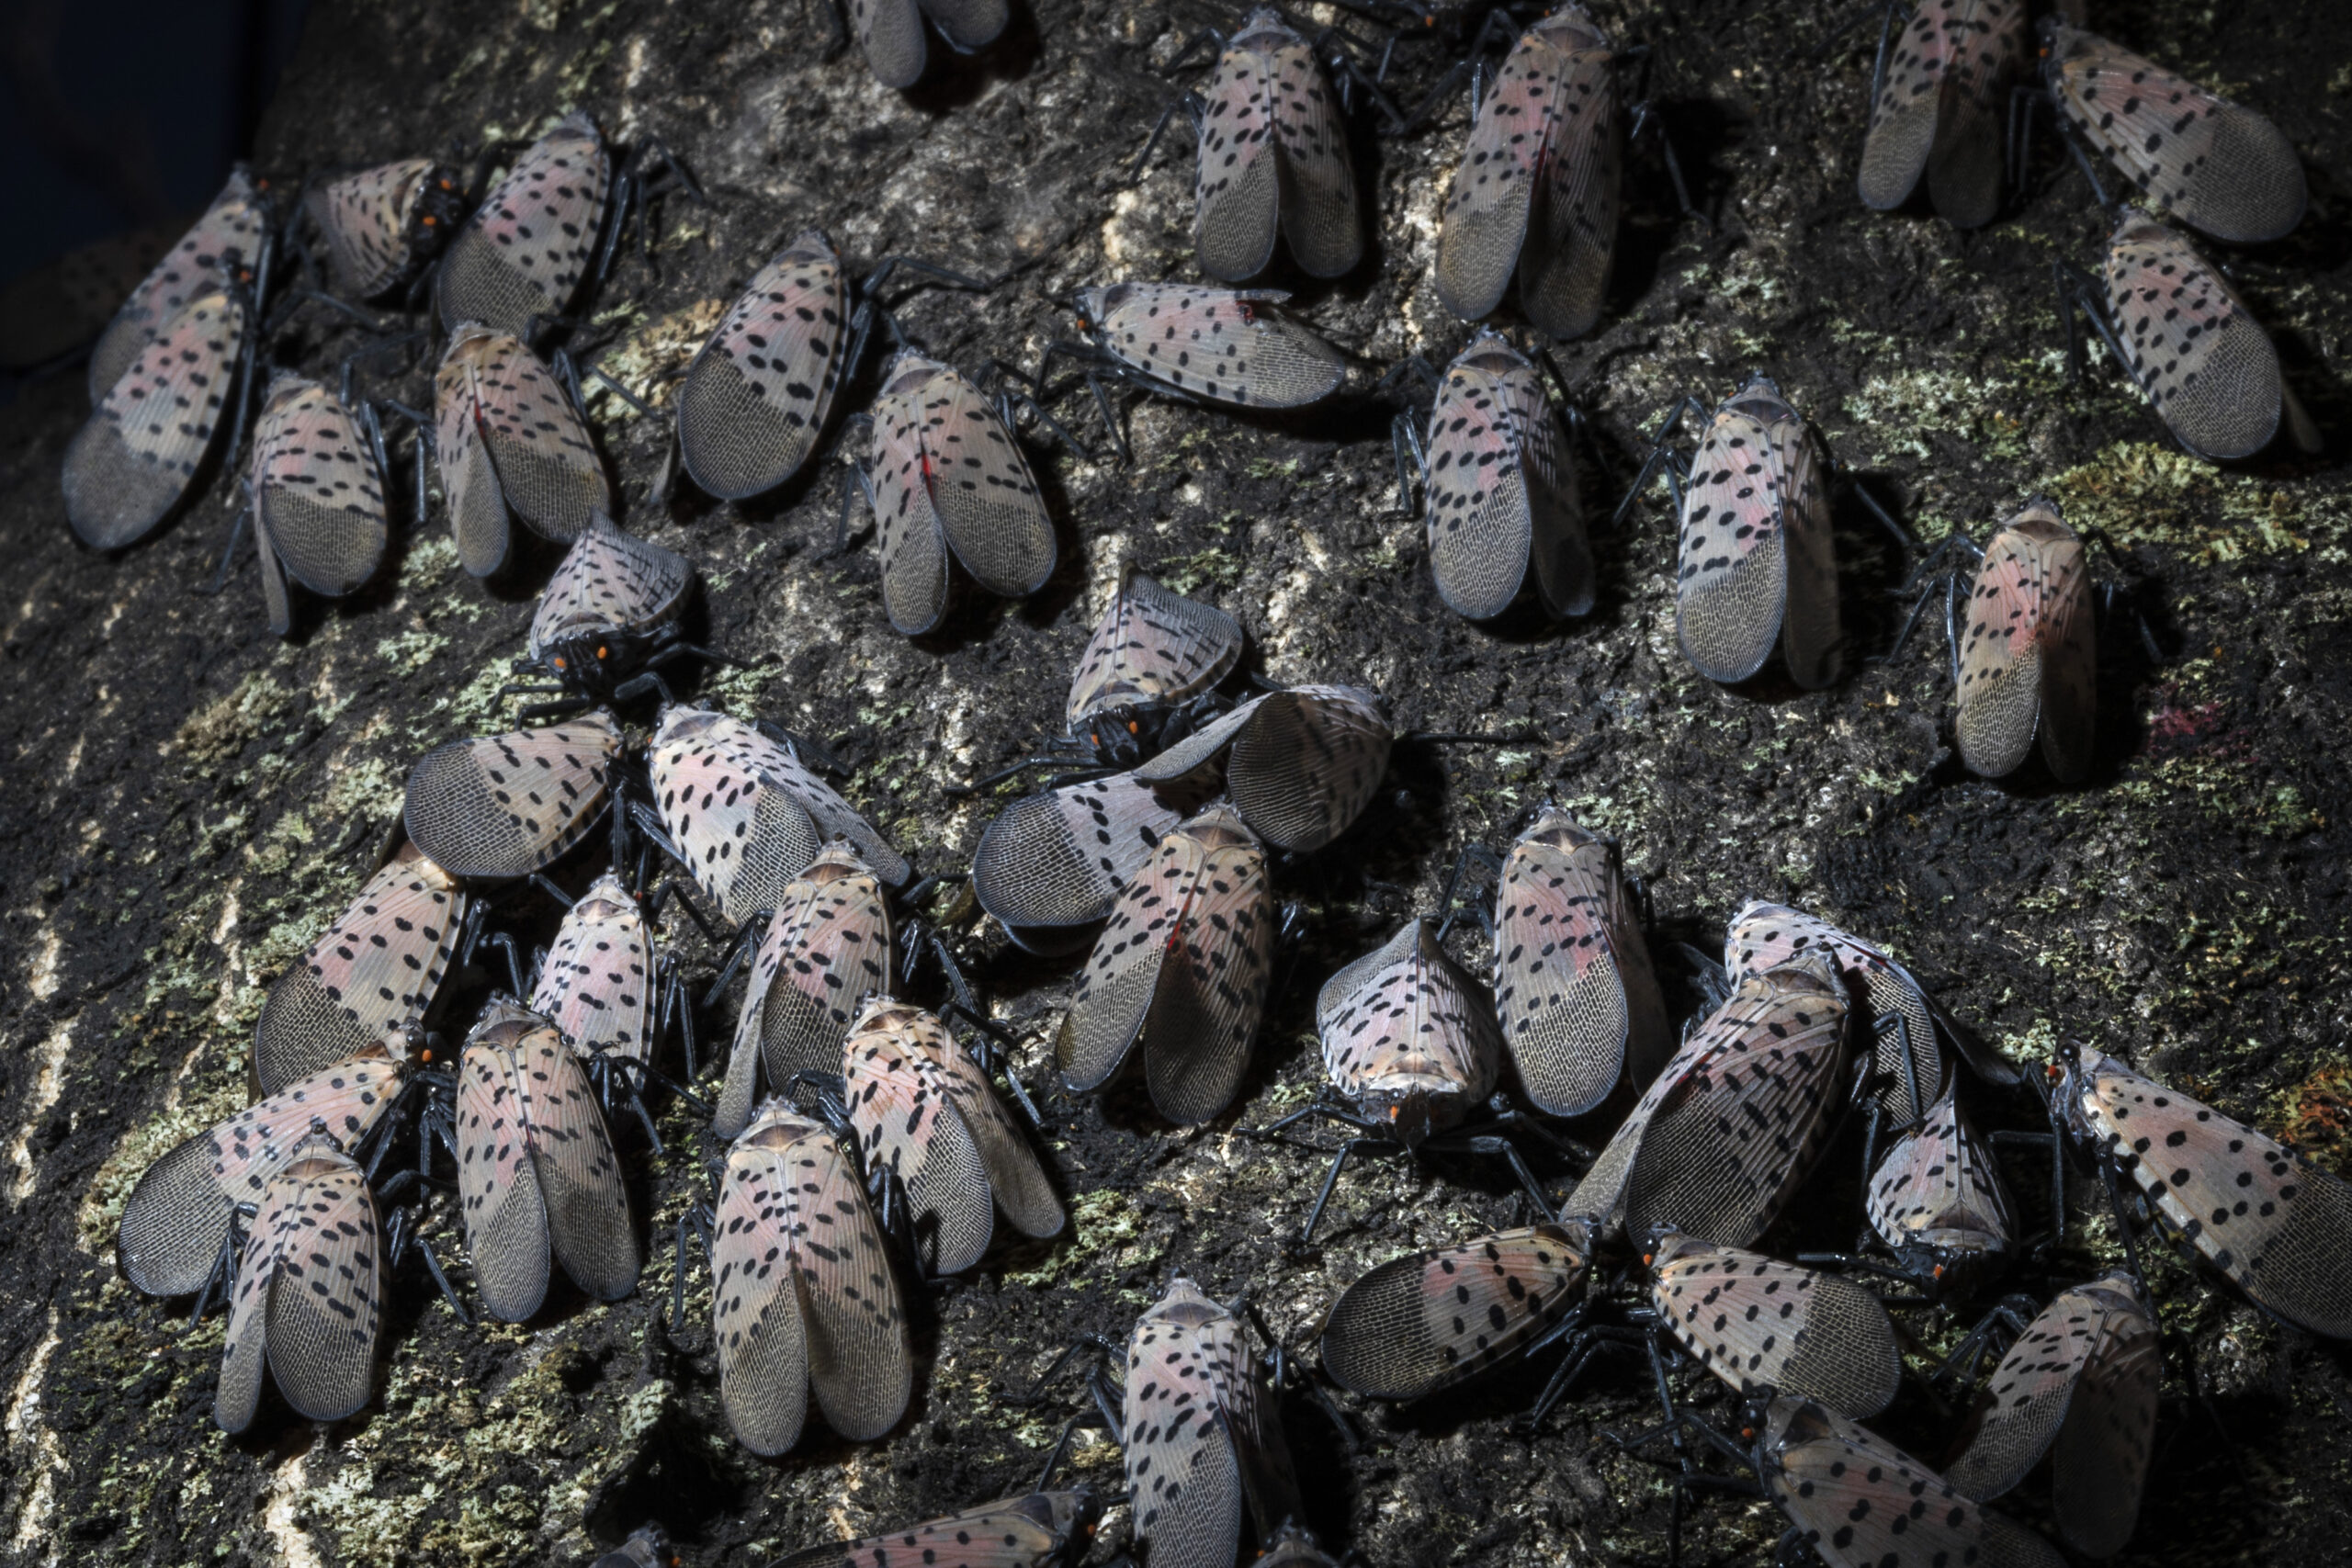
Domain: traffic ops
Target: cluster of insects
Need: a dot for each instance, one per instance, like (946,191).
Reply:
(873,1144)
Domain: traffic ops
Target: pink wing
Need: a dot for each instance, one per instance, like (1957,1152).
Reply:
(178,1215)
(469,488)
(756,396)
(2205,363)
(1731,577)
(524,253)
(1215,344)
(906,1126)
(317,500)
(199,264)
(367,979)
(1760,1323)
(1419,1323)
(134,458)
(503,806)
(1237,185)
(756,1301)
(1487,208)
(588,1220)
(505,1214)
(1318,199)
(1763,937)
(547,470)
(1151,645)
(596,983)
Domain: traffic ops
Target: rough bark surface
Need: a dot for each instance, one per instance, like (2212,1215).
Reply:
(185,801)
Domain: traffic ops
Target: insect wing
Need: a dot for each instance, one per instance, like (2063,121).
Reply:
(317,500)
(2220,167)
(1318,179)
(134,458)
(1015,1177)
(596,983)
(2079,1385)
(1964,162)
(982,489)
(756,396)
(889,32)
(2028,662)
(521,256)
(1422,1321)
(1574,991)
(1758,1324)
(1059,858)
(506,1212)
(1307,764)
(325,1304)
(1909,101)
(1730,580)
(1238,186)
(1762,937)
(609,581)
(204,262)
(504,805)
(547,470)
(1215,344)
(757,1323)
(587,1204)
(179,1216)
(1018,1532)
(1151,645)
(1211,990)
(909,538)
(2203,360)
(2277,1224)
(469,483)
(1489,207)
(1572,238)
(1809,628)
(898,1103)
(372,976)
(1863,1503)
(1741,1110)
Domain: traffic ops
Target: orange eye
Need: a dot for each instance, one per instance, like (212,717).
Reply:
(430,221)
(1132,726)
(1939,1270)
(561,663)
(604,653)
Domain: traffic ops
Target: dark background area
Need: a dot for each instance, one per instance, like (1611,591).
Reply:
(186,801)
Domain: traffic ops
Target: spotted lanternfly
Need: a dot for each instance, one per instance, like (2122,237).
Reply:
(608,619)
(1409,1037)
(2215,165)
(756,396)
(2029,664)
(1574,990)
(945,476)
(1503,513)
(1274,156)
(520,258)
(308,1302)
(1055,862)
(929,1121)
(1757,565)
(1763,936)
(745,815)
(1938,1202)
(890,33)
(1203,1433)
(536,1177)
(1537,188)
(210,259)
(507,439)
(1937,108)
(1299,765)
(1426,1321)
(176,1222)
(318,501)
(826,950)
(1036,1530)
(382,225)
(1213,343)
(802,1290)
(1184,966)
(1151,652)
(2080,1385)
(1761,1324)
(2206,365)
(597,984)
(504,805)
(2278,1226)
(372,976)
(134,459)
(1732,1124)
(1863,1503)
